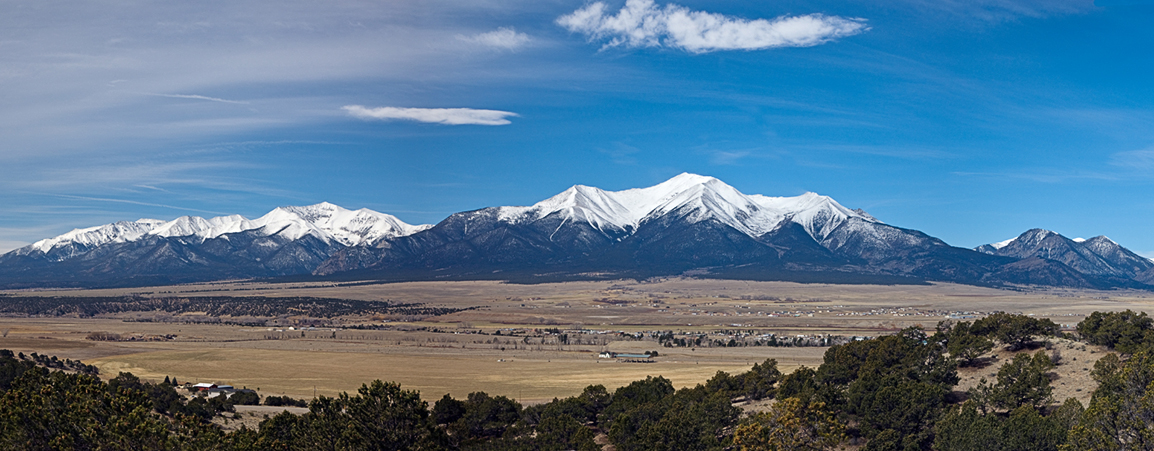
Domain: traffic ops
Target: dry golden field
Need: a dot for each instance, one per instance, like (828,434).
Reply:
(447,354)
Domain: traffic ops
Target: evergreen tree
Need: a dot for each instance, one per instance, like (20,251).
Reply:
(963,344)
(1125,332)
(1121,411)
(1021,382)
(790,425)
(1014,331)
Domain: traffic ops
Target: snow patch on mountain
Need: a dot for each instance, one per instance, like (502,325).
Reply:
(1002,244)
(1034,236)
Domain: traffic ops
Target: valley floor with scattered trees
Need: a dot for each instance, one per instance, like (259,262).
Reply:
(897,392)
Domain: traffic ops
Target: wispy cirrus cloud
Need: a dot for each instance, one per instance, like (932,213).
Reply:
(998,11)
(200,97)
(134,202)
(1045,175)
(447,116)
(722,158)
(621,153)
(641,23)
(1142,160)
(502,38)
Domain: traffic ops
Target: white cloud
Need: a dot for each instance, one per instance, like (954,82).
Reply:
(91,77)
(504,38)
(641,23)
(448,116)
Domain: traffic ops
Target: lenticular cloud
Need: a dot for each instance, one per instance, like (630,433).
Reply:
(641,23)
(448,116)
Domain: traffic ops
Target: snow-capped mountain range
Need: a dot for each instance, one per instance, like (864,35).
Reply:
(324,221)
(698,197)
(688,224)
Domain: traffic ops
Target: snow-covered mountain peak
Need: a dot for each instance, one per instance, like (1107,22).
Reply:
(669,194)
(321,212)
(1028,238)
(699,198)
(818,215)
(1033,236)
(685,180)
(1101,239)
(693,198)
(1101,245)
(598,207)
(200,227)
(328,222)
(117,232)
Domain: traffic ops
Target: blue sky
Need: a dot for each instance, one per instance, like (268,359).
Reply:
(969,120)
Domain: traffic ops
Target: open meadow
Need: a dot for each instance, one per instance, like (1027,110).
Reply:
(529,342)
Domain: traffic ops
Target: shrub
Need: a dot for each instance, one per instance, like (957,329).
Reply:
(284,401)
(244,398)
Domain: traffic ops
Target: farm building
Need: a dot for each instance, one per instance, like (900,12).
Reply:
(214,390)
(627,357)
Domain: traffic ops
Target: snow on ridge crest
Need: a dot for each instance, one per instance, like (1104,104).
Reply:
(1002,244)
(697,198)
(117,232)
(598,207)
(818,215)
(325,221)
(329,222)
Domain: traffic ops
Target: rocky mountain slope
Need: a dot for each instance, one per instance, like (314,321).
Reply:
(1098,256)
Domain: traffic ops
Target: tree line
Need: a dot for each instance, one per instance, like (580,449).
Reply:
(213,306)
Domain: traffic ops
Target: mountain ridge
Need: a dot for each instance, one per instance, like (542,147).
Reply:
(689,224)
(1099,255)
(325,221)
